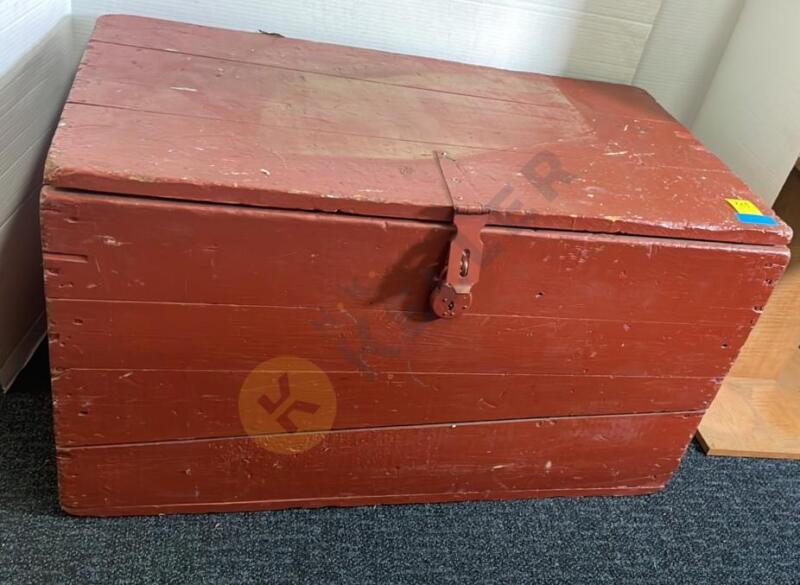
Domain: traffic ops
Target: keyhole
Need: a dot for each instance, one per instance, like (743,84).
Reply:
(464,269)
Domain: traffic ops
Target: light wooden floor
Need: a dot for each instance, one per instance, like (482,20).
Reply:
(754,417)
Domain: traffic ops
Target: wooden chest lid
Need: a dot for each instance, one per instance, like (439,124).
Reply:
(172,110)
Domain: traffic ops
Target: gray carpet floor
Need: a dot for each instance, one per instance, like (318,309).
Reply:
(719,521)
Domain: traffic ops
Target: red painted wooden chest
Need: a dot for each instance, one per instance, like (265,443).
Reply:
(282,273)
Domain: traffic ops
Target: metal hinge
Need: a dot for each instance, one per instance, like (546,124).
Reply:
(453,293)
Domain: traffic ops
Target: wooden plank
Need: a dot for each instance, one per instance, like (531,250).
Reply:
(352,501)
(280,98)
(364,64)
(462,461)
(203,159)
(212,160)
(95,407)
(96,248)
(327,141)
(774,341)
(149,335)
(754,418)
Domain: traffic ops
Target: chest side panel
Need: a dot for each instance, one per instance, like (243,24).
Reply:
(158,303)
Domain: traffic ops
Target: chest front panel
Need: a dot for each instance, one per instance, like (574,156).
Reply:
(161,311)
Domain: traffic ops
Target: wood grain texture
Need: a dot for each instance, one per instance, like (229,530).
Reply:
(144,335)
(460,462)
(221,202)
(95,407)
(198,125)
(570,338)
(753,417)
(96,248)
(282,98)
(775,340)
(349,62)
(353,501)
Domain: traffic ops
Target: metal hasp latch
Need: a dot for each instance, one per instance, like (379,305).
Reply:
(453,294)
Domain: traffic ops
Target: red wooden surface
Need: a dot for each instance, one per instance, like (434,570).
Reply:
(352,501)
(190,124)
(95,244)
(97,407)
(573,456)
(144,335)
(282,98)
(103,247)
(378,66)
(188,238)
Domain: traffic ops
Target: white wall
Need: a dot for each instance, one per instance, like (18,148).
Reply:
(751,114)
(598,39)
(683,51)
(36,64)
(23,24)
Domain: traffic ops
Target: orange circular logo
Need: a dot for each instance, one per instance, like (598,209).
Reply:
(287,404)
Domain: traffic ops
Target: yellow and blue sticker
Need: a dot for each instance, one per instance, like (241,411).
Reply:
(747,212)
